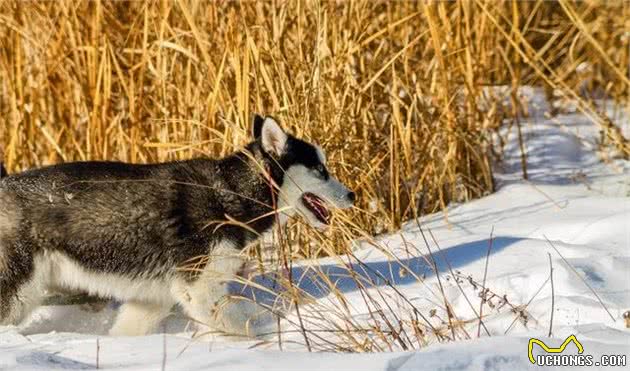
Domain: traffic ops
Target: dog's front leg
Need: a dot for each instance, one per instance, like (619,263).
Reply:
(137,318)
(203,298)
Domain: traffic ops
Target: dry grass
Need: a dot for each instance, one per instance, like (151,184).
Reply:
(395,92)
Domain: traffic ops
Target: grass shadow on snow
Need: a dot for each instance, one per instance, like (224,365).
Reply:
(51,361)
(313,280)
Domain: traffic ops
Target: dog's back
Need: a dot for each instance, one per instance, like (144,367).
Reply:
(133,220)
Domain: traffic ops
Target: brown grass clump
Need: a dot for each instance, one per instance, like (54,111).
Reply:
(394,91)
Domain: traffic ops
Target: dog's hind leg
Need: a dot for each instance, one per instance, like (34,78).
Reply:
(23,275)
(139,318)
(23,281)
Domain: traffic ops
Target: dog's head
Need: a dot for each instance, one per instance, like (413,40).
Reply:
(305,185)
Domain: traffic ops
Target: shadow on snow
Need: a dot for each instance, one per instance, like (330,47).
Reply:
(316,281)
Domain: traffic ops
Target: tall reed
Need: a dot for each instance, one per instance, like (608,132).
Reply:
(396,92)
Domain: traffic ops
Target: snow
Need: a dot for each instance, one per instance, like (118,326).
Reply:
(572,201)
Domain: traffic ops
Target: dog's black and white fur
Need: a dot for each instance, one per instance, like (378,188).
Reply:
(124,231)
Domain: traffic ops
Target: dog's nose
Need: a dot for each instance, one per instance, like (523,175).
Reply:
(352,196)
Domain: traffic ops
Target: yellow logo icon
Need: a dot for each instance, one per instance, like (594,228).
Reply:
(547,349)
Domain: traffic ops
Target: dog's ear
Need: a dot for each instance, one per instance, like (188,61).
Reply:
(258,124)
(272,137)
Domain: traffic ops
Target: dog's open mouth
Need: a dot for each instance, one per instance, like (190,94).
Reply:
(317,206)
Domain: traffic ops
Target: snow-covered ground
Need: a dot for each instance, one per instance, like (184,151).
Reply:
(573,201)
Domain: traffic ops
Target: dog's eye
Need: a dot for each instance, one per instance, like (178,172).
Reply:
(321,171)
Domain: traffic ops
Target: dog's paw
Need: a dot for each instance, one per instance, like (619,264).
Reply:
(242,317)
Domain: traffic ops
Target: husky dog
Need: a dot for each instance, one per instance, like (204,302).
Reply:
(126,231)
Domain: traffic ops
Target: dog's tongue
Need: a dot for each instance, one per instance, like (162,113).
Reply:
(316,206)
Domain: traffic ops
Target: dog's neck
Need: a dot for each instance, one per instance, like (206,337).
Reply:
(251,181)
